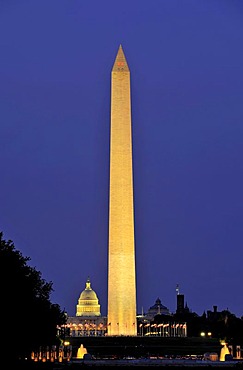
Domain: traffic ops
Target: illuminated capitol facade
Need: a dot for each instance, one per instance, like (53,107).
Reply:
(122,318)
(88,320)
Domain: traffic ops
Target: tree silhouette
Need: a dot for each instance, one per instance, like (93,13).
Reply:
(28,318)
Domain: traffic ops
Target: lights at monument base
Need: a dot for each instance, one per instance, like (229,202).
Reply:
(163,329)
(166,329)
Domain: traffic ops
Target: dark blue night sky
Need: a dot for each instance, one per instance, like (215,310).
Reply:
(186,63)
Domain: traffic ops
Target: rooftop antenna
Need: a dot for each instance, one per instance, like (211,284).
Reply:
(177,289)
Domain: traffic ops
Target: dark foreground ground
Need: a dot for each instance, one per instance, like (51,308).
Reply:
(145,364)
(143,347)
(139,352)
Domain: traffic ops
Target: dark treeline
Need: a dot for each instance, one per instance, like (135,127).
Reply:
(28,317)
(222,325)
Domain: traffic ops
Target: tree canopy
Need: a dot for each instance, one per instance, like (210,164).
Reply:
(29,318)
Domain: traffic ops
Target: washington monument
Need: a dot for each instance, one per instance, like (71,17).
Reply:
(121,317)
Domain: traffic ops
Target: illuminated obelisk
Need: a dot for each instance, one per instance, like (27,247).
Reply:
(121,318)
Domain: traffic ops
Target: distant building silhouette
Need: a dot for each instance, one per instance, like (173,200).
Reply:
(181,308)
(157,309)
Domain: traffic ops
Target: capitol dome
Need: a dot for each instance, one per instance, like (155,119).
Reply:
(88,303)
(88,294)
